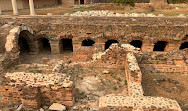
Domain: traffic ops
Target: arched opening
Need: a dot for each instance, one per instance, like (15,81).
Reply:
(109,43)
(67,45)
(184,45)
(81,1)
(136,43)
(59,2)
(45,45)
(24,41)
(88,42)
(23,45)
(160,46)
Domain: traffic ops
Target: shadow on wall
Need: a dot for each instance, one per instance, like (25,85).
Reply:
(23,45)
(109,43)
(136,43)
(44,45)
(160,46)
(184,45)
(88,42)
(66,45)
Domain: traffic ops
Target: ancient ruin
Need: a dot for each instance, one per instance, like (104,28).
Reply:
(93,61)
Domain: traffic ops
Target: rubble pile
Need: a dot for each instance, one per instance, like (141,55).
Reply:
(106,13)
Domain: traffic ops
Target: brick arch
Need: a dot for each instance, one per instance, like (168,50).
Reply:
(112,38)
(88,38)
(135,38)
(88,42)
(11,44)
(43,36)
(156,40)
(109,42)
(65,37)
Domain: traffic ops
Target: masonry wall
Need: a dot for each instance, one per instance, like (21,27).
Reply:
(21,88)
(168,62)
(111,58)
(100,29)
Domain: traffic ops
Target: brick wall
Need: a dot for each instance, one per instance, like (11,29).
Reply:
(36,90)
(135,100)
(167,62)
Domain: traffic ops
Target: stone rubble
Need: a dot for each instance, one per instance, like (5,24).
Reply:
(38,79)
(57,107)
(58,67)
(19,108)
(106,72)
(106,13)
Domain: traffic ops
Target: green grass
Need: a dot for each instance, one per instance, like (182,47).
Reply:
(119,79)
(125,82)
(115,88)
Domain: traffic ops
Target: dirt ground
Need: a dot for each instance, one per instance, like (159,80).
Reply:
(92,84)
(169,85)
(170,10)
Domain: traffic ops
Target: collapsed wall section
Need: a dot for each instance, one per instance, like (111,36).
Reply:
(113,57)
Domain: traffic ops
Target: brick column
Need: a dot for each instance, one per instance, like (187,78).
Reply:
(14,7)
(32,9)
(175,45)
(55,47)
(73,2)
(75,45)
(147,46)
(101,46)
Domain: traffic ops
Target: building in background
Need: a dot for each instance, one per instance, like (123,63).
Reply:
(24,4)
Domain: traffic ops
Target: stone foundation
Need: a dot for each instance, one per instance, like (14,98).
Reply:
(34,90)
(135,99)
